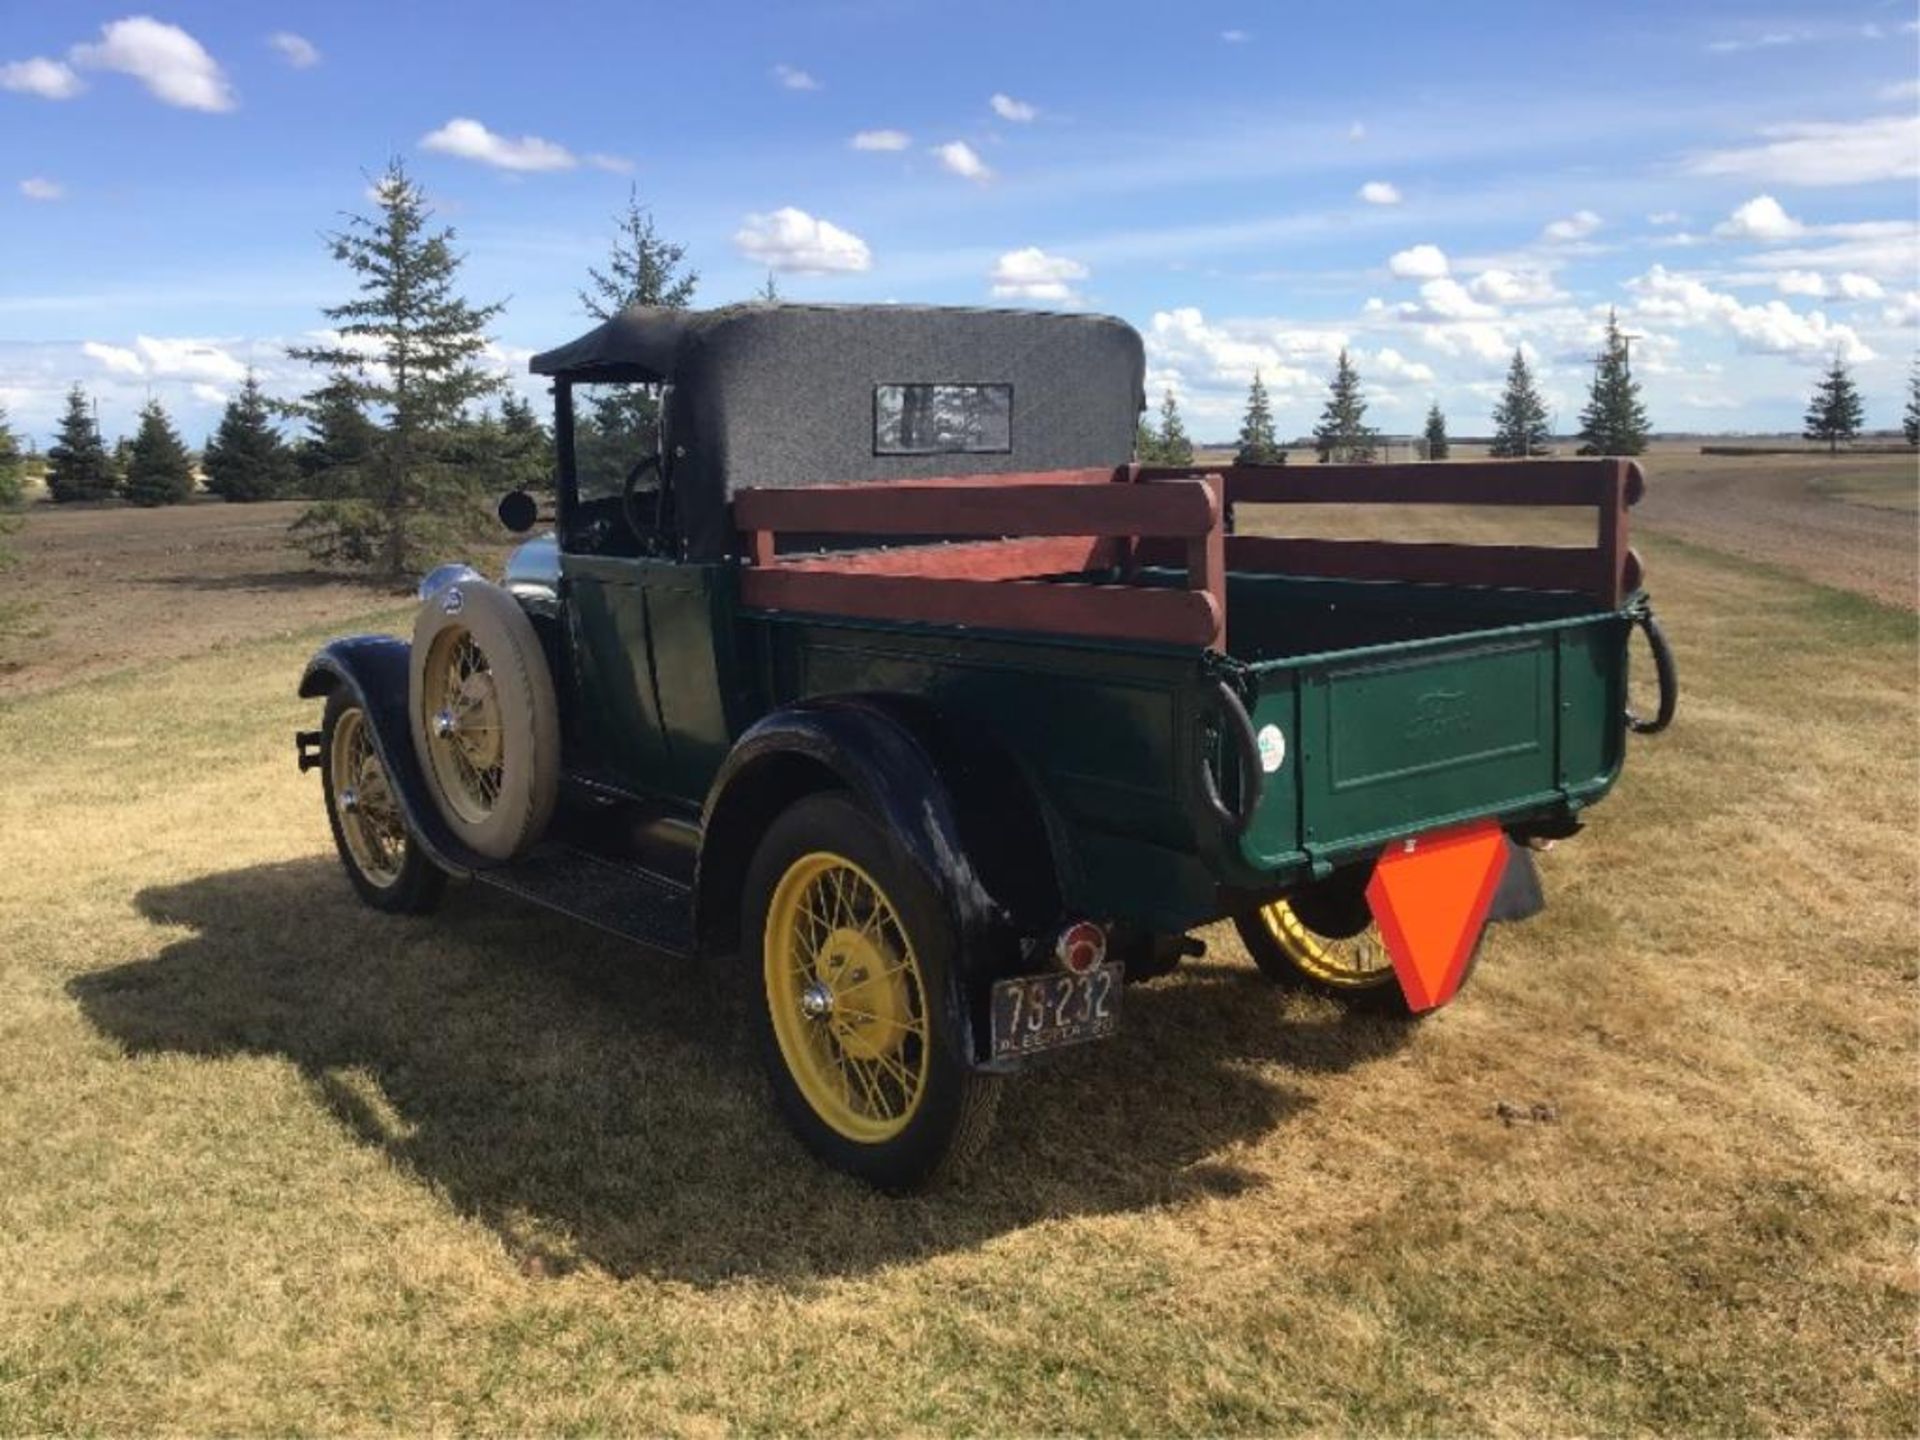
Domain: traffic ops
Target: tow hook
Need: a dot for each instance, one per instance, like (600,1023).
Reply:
(306,745)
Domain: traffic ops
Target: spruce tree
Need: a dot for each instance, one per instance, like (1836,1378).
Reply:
(769,293)
(642,269)
(406,347)
(1146,444)
(78,466)
(339,444)
(1175,448)
(1520,419)
(1910,422)
(13,466)
(1438,446)
(246,459)
(1343,434)
(1614,422)
(1257,444)
(526,450)
(1835,412)
(159,469)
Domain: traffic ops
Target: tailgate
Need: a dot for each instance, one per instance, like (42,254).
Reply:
(1399,739)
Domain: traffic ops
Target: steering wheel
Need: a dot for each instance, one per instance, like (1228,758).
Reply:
(643,528)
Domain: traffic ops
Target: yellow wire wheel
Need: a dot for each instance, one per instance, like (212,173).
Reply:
(371,825)
(847,997)
(462,720)
(862,1025)
(1353,962)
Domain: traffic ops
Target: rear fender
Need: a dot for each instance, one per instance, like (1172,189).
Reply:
(373,670)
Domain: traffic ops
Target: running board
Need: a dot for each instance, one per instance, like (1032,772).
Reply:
(626,900)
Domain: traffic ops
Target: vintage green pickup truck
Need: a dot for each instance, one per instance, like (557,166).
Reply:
(863,657)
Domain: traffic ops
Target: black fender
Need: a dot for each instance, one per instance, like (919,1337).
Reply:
(899,762)
(373,670)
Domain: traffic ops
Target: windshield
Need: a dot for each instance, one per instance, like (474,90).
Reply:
(614,428)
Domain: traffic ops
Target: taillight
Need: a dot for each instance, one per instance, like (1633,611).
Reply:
(1081,946)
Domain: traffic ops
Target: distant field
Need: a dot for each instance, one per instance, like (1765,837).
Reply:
(275,1163)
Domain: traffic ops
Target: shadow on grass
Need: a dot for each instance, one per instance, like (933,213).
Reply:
(594,1104)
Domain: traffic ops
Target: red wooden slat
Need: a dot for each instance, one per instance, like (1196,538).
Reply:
(1110,612)
(1207,564)
(1502,482)
(1178,508)
(978,560)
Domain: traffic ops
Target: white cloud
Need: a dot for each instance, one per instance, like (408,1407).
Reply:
(1904,90)
(1444,298)
(1761,218)
(881,140)
(470,140)
(1499,286)
(1665,217)
(1357,131)
(796,243)
(1219,359)
(38,187)
(614,164)
(1801,282)
(1860,287)
(1904,311)
(49,79)
(173,65)
(1770,328)
(1032,274)
(298,51)
(1577,226)
(1394,366)
(1008,108)
(962,160)
(1769,40)
(1380,192)
(1887,250)
(1475,339)
(1822,153)
(1419,262)
(1235,37)
(209,394)
(793,78)
(117,359)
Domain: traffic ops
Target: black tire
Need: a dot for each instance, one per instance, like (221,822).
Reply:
(952,1113)
(1377,994)
(410,885)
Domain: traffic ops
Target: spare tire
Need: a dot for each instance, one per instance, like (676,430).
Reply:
(485,722)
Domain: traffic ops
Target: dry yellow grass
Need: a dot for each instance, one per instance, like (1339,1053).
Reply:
(272,1162)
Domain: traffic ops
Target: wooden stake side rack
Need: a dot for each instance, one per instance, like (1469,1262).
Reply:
(1064,523)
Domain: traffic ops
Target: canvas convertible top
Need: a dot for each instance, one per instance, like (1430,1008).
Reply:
(777,395)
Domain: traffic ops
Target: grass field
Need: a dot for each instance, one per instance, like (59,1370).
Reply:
(275,1163)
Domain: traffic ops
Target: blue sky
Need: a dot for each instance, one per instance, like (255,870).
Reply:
(1251,185)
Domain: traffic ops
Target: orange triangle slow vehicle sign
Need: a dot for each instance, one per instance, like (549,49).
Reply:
(1430,896)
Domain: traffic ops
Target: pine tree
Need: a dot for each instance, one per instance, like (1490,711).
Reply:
(1910,422)
(246,459)
(1174,446)
(406,346)
(642,269)
(769,293)
(13,466)
(1614,422)
(1257,444)
(1343,434)
(526,450)
(1835,412)
(159,469)
(78,466)
(1146,444)
(340,443)
(1520,419)
(1438,446)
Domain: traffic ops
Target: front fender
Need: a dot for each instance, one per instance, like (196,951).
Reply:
(373,670)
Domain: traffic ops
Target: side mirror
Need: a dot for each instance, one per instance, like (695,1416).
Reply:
(518,512)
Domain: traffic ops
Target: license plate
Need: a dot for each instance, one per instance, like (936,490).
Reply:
(1044,1012)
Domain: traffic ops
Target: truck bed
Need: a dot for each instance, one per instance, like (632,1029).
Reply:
(1489,681)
